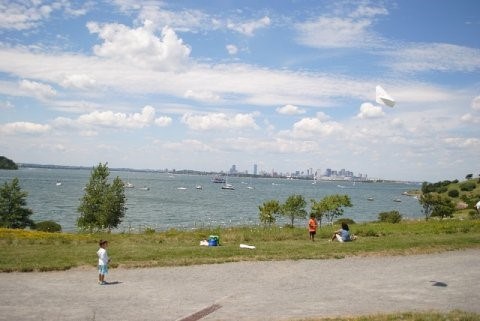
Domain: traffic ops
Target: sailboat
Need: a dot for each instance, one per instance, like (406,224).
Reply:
(226,185)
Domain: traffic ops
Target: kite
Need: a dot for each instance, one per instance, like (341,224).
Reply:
(383,98)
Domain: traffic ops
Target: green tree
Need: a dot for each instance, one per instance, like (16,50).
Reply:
(294,207)
(435,205)
(6,163)
(103,204)
(13,214)
(330,207)
(268,210)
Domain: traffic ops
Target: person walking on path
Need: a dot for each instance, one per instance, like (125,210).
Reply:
(103,261)
(312,227)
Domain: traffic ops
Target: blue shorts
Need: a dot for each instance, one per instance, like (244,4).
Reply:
(103,269)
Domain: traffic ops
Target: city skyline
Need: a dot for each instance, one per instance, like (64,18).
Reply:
(289,85)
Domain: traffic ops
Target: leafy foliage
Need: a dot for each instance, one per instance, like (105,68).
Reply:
(294,207)
(103,205)
(454,193)
(268,210)
(330,207)
(390,217)
(6,163)
(13,214)
(47,226)
(468,186)
(435,205)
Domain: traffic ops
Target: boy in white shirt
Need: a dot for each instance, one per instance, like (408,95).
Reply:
(103,261)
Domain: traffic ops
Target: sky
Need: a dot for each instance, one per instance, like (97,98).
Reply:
(288,85)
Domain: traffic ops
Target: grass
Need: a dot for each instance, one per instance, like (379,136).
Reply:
(407,316)
(23,250)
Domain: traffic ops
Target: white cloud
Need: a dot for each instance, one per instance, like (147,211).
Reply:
(6,105)
(79,81)
(476,103)
(219,121)
(313,128)
(232,49)
(470,119)
(141,46)
(434,57)
(290,110)
(248,28)
(22,15)
(37,89)
(24,128)
(367,110)
(163,121)
(343,30)
(119,120)
(202,95)
(461,142)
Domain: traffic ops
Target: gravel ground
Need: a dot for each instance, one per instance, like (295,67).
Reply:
(249,290)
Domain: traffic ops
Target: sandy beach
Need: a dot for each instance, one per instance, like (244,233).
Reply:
(249,290)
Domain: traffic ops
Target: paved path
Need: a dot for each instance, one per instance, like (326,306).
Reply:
(249,290)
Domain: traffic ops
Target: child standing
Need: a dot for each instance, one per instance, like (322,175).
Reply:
(312,227)
(103,261)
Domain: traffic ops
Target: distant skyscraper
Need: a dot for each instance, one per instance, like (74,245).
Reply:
(255,169)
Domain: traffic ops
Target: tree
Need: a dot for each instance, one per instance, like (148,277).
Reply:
(469,176)
(294,207)
(103,204)
(268,210)
(435,205)
(330,207)
(6,163)
(13,214)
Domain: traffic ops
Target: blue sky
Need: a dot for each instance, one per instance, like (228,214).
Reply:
(203,85)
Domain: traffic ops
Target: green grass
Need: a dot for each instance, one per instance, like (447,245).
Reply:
(407,316)
(22,250)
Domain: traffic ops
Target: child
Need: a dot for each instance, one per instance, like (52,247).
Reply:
(103,261)
(312,227)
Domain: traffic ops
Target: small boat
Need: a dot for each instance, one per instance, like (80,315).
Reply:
(145,188)
(370,198)
(228,186)
(218,179)
(129,185)
(181,188)
(199,187)
(397,200)
(58,183)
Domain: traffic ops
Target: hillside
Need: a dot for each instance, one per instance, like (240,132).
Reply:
(6,163)
(464,194)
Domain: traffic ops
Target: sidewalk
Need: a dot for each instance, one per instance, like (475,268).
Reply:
(249,290)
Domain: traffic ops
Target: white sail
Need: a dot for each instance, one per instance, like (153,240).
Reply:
(382,97)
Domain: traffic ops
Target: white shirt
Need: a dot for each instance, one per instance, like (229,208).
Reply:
(478,205)
(102,256)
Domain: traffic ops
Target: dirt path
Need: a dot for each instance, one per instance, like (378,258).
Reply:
(249,290)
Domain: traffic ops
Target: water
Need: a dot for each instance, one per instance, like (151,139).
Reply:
(165,206)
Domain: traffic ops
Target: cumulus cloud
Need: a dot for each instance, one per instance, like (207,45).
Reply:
(140,46)
(163,121)
(24,128)
(248,28)
(367,110)
(119,120)
(23,15)
(313,127)
(37,89)
(232,49)
(79,81)
(470,119)
(219,121)
(290,110)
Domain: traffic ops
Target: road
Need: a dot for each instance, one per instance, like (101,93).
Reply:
(249,290)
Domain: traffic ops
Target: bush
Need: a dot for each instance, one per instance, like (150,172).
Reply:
(349,221)
(390,217)
(48,226)
(468,186)
(453,193)
(473,215)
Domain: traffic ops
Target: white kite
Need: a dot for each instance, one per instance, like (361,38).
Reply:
(383,98)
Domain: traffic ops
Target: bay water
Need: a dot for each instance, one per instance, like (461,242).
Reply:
(162,201)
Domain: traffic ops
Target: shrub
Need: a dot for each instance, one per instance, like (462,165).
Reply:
(390,217)
(149,230)
(349,221)
(468,186)
(473,215)
(453,193)
(48,226)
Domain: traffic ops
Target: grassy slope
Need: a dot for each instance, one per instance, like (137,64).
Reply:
(22,250)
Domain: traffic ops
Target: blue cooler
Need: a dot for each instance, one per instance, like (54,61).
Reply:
(213,240)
